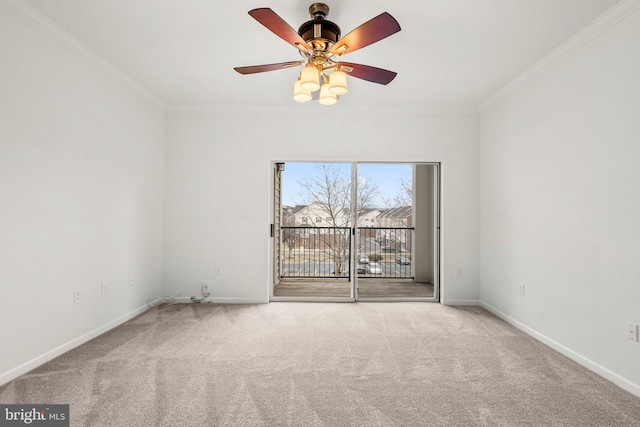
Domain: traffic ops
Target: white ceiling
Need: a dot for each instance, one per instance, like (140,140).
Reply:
(450,53)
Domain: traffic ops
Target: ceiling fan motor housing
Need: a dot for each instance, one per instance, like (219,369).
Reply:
(319,33)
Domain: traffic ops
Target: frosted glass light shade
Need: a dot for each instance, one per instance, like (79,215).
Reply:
(300,94)
(338,83)
(310,78)
(326,97)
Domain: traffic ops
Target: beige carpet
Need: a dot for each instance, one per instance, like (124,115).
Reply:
(306,364)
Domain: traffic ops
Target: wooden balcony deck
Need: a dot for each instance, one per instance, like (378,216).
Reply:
(368,288)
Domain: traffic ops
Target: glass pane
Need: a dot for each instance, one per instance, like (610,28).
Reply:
(316,230)
(385,218)
(394,250)
(386,236)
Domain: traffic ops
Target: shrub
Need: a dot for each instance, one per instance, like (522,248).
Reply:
(375,257)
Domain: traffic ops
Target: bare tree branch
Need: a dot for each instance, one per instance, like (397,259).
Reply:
(405,195)
(329,189)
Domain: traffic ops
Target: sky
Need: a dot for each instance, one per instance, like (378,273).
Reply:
(386,176)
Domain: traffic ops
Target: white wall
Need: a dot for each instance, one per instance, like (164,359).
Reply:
(560,204)
(81,197)
(219,183)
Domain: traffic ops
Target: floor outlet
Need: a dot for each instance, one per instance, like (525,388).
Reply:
(632,331)
(205,288)
(76,297)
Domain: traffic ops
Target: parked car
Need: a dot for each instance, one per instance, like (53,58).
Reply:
(363,259)
(362,269)
(403,260)
(374,268)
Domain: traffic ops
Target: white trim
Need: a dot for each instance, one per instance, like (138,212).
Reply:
(297,108)
(576,357)
(221,300)
(605,21)
(313,299)
(389,299)
(53,30)
(453,302)
(53,353)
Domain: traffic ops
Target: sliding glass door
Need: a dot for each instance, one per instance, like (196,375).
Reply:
(316,236)
(349,231)
(396,237)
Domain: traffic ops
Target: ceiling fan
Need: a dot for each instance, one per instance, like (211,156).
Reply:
(319,42)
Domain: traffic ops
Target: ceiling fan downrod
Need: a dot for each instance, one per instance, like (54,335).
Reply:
(318,11)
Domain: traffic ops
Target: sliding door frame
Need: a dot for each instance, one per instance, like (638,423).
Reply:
(272,260)
(275,247)
(436,243)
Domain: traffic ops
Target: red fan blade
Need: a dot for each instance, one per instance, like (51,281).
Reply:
(279,27)
(366,72)
(372,31)
(268,67)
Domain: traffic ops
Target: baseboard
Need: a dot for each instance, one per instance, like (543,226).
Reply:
(576,357)
(444,301)
(52,354)
(222,300)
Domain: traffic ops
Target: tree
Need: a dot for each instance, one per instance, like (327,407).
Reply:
(288,220)
(404,197)
(375,257)
(327,194)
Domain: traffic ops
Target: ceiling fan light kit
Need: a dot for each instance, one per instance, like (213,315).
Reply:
(338,83)
(326,97)
(300,94)
(319,42)
(310,78)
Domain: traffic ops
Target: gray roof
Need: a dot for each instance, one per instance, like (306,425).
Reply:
(401,212)
(298,208)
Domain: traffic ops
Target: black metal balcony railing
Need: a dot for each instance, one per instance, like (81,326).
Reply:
(385,252)
(325,252)
(319,252)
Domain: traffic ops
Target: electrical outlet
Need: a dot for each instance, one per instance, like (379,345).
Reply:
(218,270)
(632,331)
(458,272)
(131,280)
(76,297)
(205,288)
(522,289)
(104,288)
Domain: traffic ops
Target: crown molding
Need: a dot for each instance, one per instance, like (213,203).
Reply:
(608,19)
(318,109)
(34,17)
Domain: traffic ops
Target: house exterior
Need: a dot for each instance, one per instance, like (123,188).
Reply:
(369,217)
(318,214)
(396,217)
(316,228)
(388,226)
(393,235)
